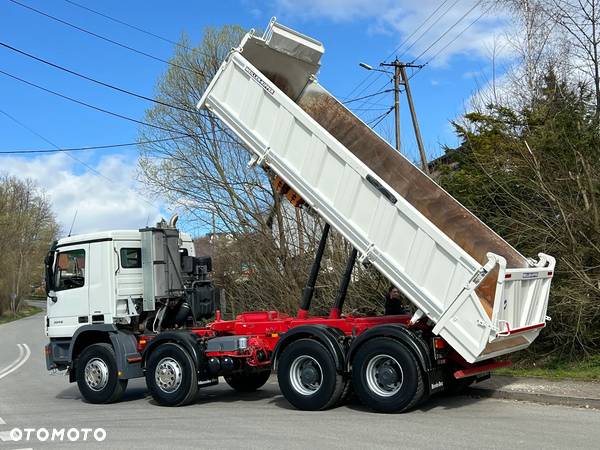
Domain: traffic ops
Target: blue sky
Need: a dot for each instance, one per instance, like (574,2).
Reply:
(352,31)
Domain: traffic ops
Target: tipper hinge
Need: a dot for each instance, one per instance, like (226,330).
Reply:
(365,256)
(488,325)
(259,159)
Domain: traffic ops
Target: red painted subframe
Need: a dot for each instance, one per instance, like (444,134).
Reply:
(480,369)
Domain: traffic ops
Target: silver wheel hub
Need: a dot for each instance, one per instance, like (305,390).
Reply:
(384,375)
(96,374)
(306,375)
(168,375)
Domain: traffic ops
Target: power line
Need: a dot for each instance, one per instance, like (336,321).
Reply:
(369,109)
(93,80)
(420,26)
(134,27)
(91,147)
(395,50)
(108,85)
(428,28)
(367,96)
(31,130)
(448,30)
(377,120)
(379,89)
(457,36)
(88,105)
(104,38)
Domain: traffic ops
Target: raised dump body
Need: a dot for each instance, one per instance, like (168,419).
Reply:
(485,298)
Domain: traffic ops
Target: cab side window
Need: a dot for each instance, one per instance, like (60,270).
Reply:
(131,258)
(70,270)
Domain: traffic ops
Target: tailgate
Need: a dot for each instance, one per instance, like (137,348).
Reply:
(518,314)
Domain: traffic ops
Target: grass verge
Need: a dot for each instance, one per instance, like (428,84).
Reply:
(586,369)
(26,311)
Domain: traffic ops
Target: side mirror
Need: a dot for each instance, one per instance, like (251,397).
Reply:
(49,272)
(52,296)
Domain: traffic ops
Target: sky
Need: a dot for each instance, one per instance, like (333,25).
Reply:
(101,186)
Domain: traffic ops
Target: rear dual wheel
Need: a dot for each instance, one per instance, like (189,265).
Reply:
(386,376)
(308,376)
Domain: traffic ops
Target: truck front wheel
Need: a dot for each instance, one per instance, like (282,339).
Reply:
(171,375)
(308,377)
(386,376)
(97,374)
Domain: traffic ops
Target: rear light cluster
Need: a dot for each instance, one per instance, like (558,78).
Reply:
(439,350)
(143,342)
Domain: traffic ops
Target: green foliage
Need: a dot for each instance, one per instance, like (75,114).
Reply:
(533,176)
(585,369)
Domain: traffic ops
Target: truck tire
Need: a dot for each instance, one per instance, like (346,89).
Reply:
(97,374)
(248,382)
(171,375)
(308,377)
(386,376)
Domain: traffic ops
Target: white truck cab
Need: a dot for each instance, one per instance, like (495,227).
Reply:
(98,279)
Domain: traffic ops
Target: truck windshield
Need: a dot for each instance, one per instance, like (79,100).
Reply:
(70,270)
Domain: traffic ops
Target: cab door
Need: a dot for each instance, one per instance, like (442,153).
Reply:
(69,309)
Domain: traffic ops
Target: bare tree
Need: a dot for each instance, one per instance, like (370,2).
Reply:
(263,247)
(580,19)
(28,227)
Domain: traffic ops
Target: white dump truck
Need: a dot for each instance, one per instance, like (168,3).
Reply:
(129,304)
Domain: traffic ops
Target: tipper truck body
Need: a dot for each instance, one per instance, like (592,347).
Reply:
(476,297)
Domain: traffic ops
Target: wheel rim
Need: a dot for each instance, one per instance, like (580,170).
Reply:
(384,375)
(96,374)
(168,375)
(306,375)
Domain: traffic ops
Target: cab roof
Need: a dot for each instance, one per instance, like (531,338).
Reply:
(115,235)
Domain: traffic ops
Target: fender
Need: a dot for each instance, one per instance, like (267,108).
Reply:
(328,336)
(95,328)
(129,360)
(187,340)
(123,342)
(400,333)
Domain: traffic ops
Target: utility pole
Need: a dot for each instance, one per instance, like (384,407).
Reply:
(415,122)
(397,105)
(400,78)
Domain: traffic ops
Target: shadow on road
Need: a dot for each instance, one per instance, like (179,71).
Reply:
(274,397)
(131,394)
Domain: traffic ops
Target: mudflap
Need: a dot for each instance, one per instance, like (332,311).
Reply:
(436,379)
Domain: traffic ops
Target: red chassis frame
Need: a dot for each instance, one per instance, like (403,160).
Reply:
(264,329)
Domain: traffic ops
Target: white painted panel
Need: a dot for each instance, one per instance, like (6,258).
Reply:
(402,244)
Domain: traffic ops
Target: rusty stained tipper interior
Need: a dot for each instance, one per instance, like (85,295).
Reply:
(458,223)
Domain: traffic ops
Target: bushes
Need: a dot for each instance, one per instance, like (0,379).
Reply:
(532,176)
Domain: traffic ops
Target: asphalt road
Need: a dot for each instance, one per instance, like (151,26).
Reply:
(222,418)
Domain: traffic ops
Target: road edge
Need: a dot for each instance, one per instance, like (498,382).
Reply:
(546,399)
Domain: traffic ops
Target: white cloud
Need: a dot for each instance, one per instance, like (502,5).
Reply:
(100,203)
(401,17)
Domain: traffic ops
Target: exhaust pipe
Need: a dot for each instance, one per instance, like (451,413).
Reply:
(173,220)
